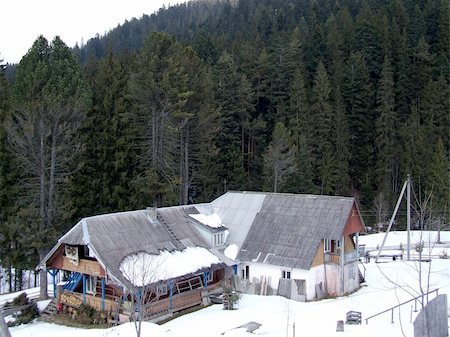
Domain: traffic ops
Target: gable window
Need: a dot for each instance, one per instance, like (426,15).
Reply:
(218,239)
(285,274)
(331,246)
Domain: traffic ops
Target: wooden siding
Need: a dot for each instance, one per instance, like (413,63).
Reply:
(318,258)
(87,267)
(354,222)
(349,246)
(76,299)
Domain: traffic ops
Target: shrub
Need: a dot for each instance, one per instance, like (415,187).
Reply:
(27,310)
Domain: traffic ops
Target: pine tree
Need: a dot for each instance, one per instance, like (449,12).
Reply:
(439,184)
(50,100)
(386,126)
(358,98)
(341,137)
(107,144)
(227,84)
(279,160)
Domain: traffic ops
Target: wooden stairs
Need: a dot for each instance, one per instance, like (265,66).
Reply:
(50,309)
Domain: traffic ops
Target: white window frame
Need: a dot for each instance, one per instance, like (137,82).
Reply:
(338,246)
(286,274)
(218,239)
(326,245)
(91,284)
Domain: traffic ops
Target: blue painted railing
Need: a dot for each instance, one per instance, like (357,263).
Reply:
(72,282)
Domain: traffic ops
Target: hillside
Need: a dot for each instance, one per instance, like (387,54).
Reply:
(319,97)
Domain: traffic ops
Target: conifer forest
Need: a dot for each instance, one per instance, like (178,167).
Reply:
(342,97)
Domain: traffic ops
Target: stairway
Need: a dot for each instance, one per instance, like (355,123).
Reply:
(50,309)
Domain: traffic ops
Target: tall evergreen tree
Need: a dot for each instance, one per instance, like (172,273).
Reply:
(279,160)
(386,140)
(50,100)
(227,84)
(358,98)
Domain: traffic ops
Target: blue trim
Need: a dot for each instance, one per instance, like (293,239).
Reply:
(103,294)
(235,268)
(84,289)
(205,278)
(170,295)
(72,281)
(53,273)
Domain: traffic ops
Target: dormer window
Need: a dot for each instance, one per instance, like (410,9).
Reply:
(218,239)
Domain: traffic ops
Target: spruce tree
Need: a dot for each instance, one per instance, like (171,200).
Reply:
(386,128)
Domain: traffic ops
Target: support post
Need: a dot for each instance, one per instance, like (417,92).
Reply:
(357,246)
(53,273)
(170,295)
(408,217)
(103,294)
(342,265)
(84,288)
(205,279)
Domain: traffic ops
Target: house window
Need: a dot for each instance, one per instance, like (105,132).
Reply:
(246,273)
(326,245)
(218,239)
(91,284)
(331,246)
(285,274)
(161,289)
(210,276)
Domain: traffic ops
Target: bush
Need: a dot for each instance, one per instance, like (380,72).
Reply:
(27,310)
(230,298)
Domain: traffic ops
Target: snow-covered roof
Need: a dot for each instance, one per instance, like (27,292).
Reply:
(112,237)
(142,268)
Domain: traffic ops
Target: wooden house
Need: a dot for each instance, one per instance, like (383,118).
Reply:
(93,252)
(300,246)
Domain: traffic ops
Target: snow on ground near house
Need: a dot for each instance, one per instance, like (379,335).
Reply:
(397,238)
(388,284)
(211,220)
(143,268)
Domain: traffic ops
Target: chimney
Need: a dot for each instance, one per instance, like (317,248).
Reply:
(152,214)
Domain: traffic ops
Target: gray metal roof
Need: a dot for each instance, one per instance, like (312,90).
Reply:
(288,228)
(112,237)
(237,210)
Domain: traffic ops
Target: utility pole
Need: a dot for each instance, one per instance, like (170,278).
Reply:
(406,187)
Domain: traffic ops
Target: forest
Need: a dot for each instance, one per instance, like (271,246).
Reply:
(299,96)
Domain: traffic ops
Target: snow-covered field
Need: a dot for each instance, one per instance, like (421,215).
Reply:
(388,284)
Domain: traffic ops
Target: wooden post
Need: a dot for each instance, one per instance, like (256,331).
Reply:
(170,295)
(84,288)
(58,294)
(103,293)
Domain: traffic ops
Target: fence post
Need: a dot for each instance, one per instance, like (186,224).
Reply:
(392,316)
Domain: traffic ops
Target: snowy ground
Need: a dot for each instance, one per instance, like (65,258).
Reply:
(388,284)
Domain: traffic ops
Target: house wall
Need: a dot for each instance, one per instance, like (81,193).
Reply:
(272,275)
